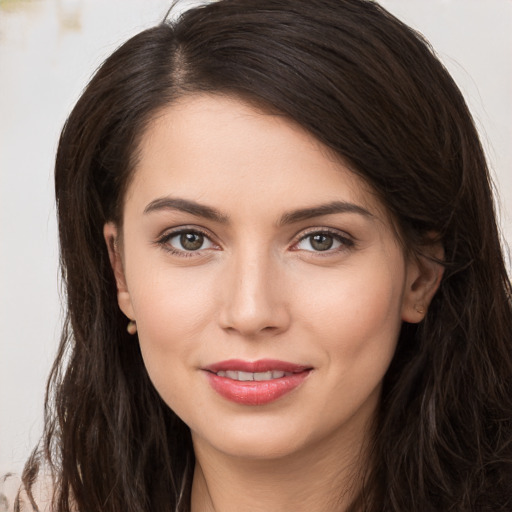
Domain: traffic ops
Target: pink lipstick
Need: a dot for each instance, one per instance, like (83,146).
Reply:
(255,382)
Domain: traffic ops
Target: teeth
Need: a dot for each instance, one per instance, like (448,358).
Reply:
(258,376)
(245,376)
(263,376)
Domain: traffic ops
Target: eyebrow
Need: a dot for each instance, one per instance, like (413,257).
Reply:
(323,209)
(208,212)
(185,205)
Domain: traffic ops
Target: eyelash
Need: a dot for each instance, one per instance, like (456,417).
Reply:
(163,241)
(345,241)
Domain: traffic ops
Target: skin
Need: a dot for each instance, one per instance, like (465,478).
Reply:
(260,288)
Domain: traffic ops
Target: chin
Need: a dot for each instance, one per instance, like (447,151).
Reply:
(256,439)
(256,447)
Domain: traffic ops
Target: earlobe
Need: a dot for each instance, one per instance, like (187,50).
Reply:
(424,274)
(111,235)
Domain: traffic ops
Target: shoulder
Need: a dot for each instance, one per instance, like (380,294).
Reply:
(10,485)
(11,489)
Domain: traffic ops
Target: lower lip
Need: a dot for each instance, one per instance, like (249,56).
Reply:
(256,392)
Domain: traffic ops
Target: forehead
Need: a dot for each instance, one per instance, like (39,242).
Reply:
(223,151)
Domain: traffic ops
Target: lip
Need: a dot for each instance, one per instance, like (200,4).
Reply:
(256,392)
(262,365)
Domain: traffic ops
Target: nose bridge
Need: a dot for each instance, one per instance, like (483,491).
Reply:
(253,300)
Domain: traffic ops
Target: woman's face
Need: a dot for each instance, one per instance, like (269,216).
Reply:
(265,278)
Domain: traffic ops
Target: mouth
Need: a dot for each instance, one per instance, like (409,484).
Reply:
(250,376)
(255,382)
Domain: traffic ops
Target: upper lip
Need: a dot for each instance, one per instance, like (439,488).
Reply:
(261,365)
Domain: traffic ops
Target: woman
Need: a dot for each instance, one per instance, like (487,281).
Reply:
(285,284)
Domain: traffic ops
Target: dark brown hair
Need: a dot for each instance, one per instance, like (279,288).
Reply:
(372,90)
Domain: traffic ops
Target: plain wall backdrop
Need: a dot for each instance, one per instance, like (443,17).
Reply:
(48,51)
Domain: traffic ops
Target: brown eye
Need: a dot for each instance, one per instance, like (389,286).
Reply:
(183,242)
(324,241)
(191,241)
(321,242)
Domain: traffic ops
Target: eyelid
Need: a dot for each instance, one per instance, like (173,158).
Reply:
(348,240)
(176,230)
(169,233)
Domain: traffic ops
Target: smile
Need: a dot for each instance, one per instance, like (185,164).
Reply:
(257,376)
(255,383)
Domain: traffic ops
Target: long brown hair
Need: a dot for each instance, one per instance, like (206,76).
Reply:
(372,90)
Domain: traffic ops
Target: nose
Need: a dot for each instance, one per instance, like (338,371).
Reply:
(254,298)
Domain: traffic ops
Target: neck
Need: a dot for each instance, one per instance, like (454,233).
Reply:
(327,479)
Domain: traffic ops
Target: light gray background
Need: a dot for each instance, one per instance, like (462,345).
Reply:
(49,49)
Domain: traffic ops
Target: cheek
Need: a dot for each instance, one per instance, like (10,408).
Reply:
(355,322)
(172,303)
(366,296)
(172,310)
(357,317)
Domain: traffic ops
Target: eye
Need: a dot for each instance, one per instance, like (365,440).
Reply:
(186,241)
(323,241)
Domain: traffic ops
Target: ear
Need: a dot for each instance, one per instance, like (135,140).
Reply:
(112,239)
(424,274)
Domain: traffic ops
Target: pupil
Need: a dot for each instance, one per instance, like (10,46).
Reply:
(191,241)
(321,242)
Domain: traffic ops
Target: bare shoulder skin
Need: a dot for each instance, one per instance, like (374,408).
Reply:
(11,485)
